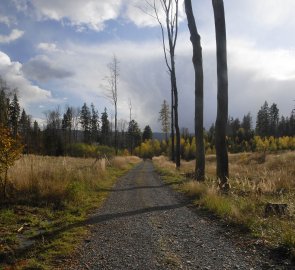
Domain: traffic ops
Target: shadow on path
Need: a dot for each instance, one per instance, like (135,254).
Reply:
(134,188)
(95,219)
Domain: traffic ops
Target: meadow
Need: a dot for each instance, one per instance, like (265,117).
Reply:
(256,179)
(46,195)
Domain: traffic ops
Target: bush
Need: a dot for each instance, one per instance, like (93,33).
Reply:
(89,150)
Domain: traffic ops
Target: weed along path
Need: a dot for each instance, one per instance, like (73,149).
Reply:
(144,225)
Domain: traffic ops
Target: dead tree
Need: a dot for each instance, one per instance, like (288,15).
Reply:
(169,35)
(112,91)
(199,91)
(222,95)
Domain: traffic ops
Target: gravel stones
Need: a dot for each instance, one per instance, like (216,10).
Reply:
(143,225)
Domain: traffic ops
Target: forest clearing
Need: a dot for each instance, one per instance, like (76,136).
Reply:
(147,135)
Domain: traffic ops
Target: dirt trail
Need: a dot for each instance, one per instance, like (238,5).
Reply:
(143,225)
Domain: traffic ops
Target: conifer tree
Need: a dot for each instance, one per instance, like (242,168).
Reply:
(14,115)
(164,119)
(147,133)
(134,135)
(262,121)
(85,121)
(105,128)
(4,105)
(273,120)
(94,124)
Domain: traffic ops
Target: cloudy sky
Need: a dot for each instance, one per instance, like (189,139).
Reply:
(56,53)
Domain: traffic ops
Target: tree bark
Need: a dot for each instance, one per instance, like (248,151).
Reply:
(172,127)
(222,95)
(199,91)
(176,125)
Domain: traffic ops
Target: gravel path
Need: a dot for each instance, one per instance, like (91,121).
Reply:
(143,225)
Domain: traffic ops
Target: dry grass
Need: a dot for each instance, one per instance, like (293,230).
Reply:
(124,162)
(56,179)
(48,194)
(255,179)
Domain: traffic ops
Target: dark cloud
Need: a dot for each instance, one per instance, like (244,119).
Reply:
(41,69)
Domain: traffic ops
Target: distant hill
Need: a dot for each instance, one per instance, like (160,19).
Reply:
(159,136)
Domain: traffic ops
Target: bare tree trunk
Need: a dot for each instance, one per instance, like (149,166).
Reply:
(170,8)
(175,95)
(112,91)
(172,127)
(199,91)
(222,95)
(116,129)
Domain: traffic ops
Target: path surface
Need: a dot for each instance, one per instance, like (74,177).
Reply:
(143,225)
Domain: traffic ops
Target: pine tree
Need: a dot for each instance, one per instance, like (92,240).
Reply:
(24,130)
(263,121)
(85,121)
(273,120)
(52,138)
(14,115)
(282,127)
(134,135)
(247,123)
(66,125)
(147,133)
(164,118)
(4,105)
(105,128)
(247,126)
(36,138)
(94,124)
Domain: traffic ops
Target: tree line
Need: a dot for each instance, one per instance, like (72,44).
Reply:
(63,133)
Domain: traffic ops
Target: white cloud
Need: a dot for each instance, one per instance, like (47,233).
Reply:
(277,64)
(91,14)
(48,47)
(30,94)
(273,12)
(14,35)
(7,20)
(142,13)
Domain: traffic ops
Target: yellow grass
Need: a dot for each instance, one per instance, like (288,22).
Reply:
(48,194)
(255,179)
(52,179)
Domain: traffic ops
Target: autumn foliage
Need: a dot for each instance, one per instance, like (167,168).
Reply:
(10,150)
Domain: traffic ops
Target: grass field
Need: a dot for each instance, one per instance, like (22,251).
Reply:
(49,196)
(255,179)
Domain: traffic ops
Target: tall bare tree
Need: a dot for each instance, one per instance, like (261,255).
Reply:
(199,91)
(169,35)
(130,110)
(112,91)
(222,95)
